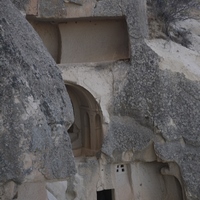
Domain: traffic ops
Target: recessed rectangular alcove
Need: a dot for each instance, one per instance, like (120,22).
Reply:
(94,40)
(49,33)
(84,40)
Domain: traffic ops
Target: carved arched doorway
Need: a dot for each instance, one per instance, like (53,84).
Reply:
(86,131)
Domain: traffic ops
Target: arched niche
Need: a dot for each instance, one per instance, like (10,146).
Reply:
(86,131)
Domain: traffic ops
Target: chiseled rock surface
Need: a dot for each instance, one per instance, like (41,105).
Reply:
(35,110)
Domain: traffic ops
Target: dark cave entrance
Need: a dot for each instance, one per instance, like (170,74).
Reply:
(105,195)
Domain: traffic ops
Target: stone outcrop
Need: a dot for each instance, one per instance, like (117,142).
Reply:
(35,110)
(167,103)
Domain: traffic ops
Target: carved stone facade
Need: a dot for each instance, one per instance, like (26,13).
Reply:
(75,43)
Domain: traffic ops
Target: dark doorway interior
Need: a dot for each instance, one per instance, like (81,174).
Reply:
(105,195)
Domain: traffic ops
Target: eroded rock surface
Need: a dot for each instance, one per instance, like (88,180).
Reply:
(35,110)
(166,103)
(149,102)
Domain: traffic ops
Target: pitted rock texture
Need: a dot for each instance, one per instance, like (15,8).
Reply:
(21,4)
(35,110)
(120,129)
(167,104)
(55,8)
(150,105)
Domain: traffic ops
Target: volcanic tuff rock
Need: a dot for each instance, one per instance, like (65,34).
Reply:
(35,110)
(154,101)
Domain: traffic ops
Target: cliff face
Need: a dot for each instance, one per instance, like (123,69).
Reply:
(150,103)
(160,105)
(35,110)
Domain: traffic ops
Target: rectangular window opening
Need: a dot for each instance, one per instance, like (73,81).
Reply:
(105,195)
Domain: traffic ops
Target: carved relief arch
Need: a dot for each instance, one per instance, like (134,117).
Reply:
(86,131)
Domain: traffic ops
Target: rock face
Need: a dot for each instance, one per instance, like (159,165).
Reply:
(166,103)
(35,110)
(145,107)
